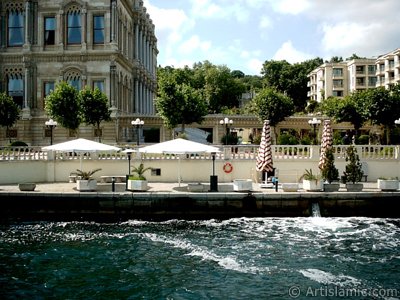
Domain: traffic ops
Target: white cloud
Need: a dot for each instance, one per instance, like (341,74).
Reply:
(254,65)
(290,54)
(292,7)
(209,9)
(168,19)
(205,8)
(265,23)
(367,28)
(194,44)
(345,37)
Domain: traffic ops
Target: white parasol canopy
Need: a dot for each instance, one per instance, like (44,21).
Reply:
(179,146)
(80,145)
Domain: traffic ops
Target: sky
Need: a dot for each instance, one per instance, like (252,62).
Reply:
(243,34)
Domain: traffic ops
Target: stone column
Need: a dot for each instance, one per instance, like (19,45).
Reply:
(136,41)
(84,28)
(113,21)
(28,25)
(26,112)
(60,36)
(113,95)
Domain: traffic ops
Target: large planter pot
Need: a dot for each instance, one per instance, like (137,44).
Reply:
(136,185)
(86,185)
(354,187)
(312,185)
(388,184)
(27,186)
(331,187)
(242,185)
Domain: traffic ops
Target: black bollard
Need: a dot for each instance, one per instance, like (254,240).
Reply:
(113,184)
(276,184)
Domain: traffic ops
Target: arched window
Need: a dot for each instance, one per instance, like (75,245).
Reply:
(15,86)
(73,77)
(74,28)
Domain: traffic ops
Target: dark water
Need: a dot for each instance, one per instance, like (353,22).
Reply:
(263,258)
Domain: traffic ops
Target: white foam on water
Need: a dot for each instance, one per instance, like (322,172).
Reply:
(329,278)
(227,262)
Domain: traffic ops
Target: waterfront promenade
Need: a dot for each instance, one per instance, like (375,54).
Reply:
(159,187)
(62,202)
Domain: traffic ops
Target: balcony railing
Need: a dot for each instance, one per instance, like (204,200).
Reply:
(235,152)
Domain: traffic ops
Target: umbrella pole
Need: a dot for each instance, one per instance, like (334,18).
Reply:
(179,170)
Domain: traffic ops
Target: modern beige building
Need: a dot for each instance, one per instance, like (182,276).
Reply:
(388,69)
(341,78)
(107,44)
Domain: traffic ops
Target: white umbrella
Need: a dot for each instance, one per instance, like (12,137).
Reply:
(80,145)
(178,146)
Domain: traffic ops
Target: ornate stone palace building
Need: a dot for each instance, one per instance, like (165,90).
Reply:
(107,44)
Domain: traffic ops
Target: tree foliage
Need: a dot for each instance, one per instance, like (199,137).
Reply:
(271,105)
(9,111)
(94,107)
(353,172)
(290,79)
(328,170)
(63,106)
(221,89)
(350,109)
(383,107)
(178,103)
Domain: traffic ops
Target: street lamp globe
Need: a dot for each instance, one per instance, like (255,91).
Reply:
(137,124)
(51,124)
(397,122)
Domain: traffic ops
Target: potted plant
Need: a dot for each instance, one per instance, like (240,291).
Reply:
(388,184)
(353,173)
(311,182)
(85,182)
(330,173)
(137,181)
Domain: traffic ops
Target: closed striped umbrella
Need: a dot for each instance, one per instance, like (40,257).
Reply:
(326,142)
(264,155)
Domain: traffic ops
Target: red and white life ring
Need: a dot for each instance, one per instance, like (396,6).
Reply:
(228,168)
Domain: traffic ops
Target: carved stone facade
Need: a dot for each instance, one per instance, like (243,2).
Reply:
(107,44)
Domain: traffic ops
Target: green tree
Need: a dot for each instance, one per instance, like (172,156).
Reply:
(328,170)
(63,106)
(349,109)
(272,105)
(9,111)
(94,107)
(179,103)
(290,79)
(383,107)
(221,89)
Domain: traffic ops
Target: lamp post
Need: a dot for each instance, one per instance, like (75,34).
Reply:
(314,122)
(228,122)
(213,177)
(138,124)
(51,124)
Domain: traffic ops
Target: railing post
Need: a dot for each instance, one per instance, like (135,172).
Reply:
(314,151)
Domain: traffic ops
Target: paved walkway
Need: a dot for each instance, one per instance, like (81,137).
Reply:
(61,187)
